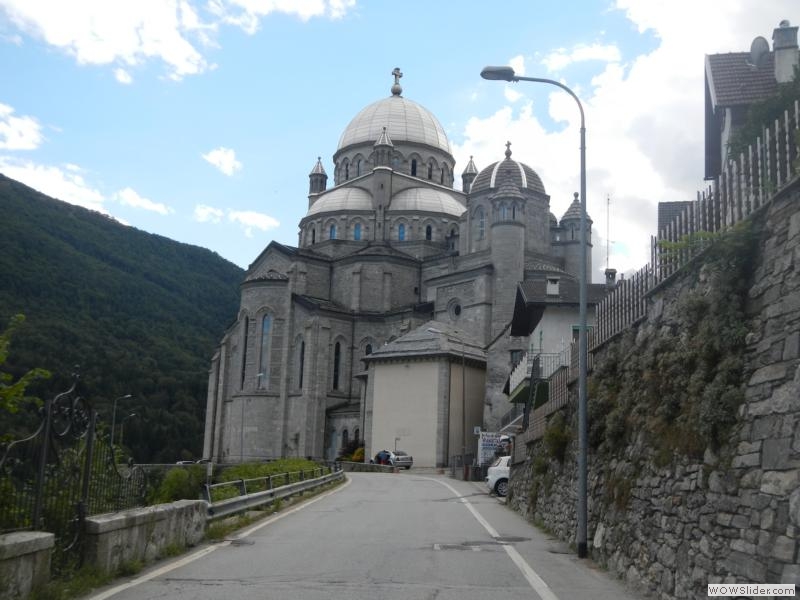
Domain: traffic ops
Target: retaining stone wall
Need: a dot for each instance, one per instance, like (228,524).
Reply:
(730,516)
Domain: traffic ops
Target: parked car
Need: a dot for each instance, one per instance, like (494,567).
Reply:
(401,459)
(497,476)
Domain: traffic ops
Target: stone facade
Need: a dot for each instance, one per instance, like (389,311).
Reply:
(670,525)
(390,247)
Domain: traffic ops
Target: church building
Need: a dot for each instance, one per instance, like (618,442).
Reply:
(391,260)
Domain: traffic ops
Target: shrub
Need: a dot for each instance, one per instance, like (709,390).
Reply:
(180,483)
(556,437)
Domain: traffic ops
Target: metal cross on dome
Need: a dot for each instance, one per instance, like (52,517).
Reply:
(397,74)
(508,149)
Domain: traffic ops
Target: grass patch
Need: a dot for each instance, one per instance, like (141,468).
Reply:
(71,585)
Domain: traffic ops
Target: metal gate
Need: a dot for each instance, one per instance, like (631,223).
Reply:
(65,471)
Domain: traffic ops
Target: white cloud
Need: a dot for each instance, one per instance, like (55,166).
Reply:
(250,220)
(518,64)
(128,197)
(224,159)
(561,58)
(99,32)
(511,94)
(207,214)
(644,120)
(53,181)
(18,133)
(123,76)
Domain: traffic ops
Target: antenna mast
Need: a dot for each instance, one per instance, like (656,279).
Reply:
(608,230)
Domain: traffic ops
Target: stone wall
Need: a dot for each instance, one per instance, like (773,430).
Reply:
(671,510)
(143,534)
(24,562)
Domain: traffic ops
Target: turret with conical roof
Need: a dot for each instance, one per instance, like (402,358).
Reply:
(317,179)
(569,237)
(383,149)
(468,176)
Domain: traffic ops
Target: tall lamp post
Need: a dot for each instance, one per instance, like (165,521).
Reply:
(114,414)
(122,427)
(507,74)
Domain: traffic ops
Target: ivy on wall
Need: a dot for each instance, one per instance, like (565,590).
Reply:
(682,383)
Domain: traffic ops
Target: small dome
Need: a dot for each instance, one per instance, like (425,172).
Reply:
(426,200)
(404,120)
(520,174)
(341,198)
(553,220)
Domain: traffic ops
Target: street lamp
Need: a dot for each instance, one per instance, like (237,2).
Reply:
(463,400)
(507,74)
(114,415)
(122,427)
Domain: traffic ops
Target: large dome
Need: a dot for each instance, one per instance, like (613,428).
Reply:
(404,119)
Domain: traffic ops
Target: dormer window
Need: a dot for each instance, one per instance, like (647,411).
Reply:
(552,286)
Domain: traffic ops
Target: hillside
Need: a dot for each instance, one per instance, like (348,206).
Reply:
(141,314)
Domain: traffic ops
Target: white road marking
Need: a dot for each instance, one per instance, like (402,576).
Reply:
(536,582)
(209,549)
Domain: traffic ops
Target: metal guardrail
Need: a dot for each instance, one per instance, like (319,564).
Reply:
(249,501)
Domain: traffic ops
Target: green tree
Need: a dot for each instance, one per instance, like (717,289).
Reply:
(12,393)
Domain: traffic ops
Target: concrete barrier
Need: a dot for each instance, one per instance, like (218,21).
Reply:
(24,562)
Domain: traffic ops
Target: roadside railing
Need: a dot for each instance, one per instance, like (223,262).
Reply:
(232,497)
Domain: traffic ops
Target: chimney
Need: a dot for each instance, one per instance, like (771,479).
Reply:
(787,56)
(611,277)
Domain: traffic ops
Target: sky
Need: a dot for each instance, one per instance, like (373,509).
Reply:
(201,120)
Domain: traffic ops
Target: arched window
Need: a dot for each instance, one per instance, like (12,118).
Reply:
(443,175)
(357,232)
(503,212)
(430,170)
(428,233)
(313,236)
(347,170)
(414,167)
(514,211)
(263,361)
(480,217)
(356,435)
(337,364)
(332,232)
(345,438)
(244,350)
(358,168)
(301,365)
(401,232)
(368,350)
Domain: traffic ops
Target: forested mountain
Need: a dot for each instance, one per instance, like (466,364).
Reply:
(139,313)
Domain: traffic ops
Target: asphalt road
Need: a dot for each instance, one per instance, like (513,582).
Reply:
(406,536)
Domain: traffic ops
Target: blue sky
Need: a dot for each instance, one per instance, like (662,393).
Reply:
(200,121)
